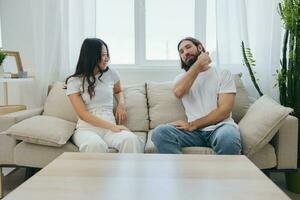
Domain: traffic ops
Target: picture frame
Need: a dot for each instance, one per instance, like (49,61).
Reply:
(12,64)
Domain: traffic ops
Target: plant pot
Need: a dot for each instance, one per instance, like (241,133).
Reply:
(293,181)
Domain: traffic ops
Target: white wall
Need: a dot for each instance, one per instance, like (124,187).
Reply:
(17,36)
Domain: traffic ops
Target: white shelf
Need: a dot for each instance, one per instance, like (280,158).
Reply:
(5,82)
(8,80)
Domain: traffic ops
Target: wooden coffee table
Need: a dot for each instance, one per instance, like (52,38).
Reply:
(148,177)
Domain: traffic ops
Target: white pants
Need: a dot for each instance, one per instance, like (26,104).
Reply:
(95,139)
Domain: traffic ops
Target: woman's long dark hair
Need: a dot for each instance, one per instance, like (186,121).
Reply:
(89,59)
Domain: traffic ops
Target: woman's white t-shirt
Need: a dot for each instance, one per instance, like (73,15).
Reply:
(102,103)
(202,98)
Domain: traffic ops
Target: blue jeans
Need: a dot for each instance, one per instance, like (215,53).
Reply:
(225,139)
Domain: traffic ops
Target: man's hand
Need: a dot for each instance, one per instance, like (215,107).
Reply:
(121,114)
(183,125)
(203,61)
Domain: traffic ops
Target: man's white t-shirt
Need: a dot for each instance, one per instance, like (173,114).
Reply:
(202,98)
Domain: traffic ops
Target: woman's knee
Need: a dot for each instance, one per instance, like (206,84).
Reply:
(130,137)
(131,143)
(93,145)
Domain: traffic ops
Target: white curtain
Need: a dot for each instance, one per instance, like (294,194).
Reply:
(258,24)
(59,27)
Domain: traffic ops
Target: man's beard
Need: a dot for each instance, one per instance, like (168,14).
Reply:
(191,61)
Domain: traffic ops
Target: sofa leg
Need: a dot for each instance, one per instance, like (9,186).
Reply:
(1,183)
(30,171)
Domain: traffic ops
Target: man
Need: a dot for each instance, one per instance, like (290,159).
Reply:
(207,94)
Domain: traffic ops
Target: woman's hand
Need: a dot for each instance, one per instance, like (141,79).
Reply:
(121,116)
(119,128)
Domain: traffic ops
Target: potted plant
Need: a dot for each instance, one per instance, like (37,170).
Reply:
(288,76)
(249,62)
(2,56)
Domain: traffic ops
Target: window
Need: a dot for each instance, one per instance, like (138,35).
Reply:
(166,25)
(211,37)
(115,25)
(146,32)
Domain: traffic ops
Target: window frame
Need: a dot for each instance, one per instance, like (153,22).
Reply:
(140,60)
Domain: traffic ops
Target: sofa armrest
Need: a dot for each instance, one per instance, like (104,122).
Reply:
(286,144)
(10,119)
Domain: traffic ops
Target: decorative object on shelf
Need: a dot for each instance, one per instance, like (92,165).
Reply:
(250,63)
(288,76)
(12,65)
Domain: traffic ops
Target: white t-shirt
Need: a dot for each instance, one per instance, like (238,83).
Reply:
(202,98)
(102,103)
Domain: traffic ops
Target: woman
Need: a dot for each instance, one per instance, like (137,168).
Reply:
(91,89)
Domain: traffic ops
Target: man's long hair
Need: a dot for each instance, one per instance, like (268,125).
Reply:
(196,42)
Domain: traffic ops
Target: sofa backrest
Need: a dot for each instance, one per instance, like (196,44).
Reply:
(58,105)
(136,107)
(164,107)
(147,105)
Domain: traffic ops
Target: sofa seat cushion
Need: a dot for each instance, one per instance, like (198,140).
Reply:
(260,124)
(34,155)
(44,130)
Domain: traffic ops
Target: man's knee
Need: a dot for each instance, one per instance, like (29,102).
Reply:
(161,132)
(228,140)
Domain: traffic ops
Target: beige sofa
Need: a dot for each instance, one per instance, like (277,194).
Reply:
(148,105)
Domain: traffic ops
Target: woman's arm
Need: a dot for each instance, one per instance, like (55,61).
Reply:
(121,110)
(83,114)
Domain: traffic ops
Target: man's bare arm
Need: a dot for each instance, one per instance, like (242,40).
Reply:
(225,105)
(185,83)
